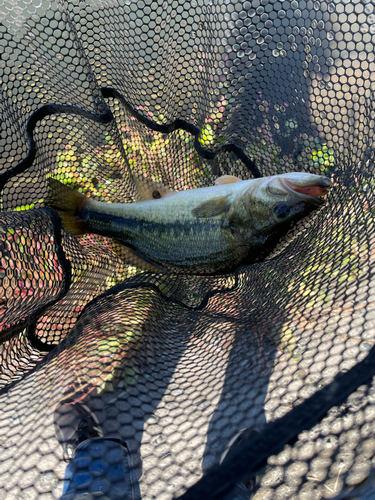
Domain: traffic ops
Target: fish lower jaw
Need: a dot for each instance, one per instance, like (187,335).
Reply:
(313,192)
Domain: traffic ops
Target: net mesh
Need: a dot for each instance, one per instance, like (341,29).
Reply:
(101,94)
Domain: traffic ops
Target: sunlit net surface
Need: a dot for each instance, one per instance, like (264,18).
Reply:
(100,94)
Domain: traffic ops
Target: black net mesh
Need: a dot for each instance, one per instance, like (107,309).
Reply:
(103,94)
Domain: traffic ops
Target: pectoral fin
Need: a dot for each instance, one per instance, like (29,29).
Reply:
(212,207)
(150,190)
(227,179)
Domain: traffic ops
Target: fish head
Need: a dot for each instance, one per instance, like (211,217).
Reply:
(279,199)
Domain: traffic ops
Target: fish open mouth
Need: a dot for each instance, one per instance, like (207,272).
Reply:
(316,191)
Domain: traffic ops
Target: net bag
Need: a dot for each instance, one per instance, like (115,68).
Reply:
(107,95)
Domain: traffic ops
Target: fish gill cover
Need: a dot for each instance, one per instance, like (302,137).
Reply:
(102,94)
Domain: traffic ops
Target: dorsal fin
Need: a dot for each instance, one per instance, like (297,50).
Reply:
(150,190)
(227,179)
(212,207)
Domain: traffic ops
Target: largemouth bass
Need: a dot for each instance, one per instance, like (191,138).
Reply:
(203,231)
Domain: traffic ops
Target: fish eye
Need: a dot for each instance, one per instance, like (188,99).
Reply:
(156,194)
(282,211)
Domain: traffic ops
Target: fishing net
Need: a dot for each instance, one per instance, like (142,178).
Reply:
(99,94)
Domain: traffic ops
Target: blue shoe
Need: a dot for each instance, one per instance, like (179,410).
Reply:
(240,491)
(99,468)
(74,423)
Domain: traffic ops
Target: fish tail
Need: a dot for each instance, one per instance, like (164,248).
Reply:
(70,205)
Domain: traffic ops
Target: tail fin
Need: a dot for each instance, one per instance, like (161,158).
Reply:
(70,204)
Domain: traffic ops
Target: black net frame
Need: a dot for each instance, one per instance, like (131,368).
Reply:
(103,93)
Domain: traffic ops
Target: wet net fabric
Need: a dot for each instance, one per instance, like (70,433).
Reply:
(100,94)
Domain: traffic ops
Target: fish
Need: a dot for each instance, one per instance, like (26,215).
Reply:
(204,231)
